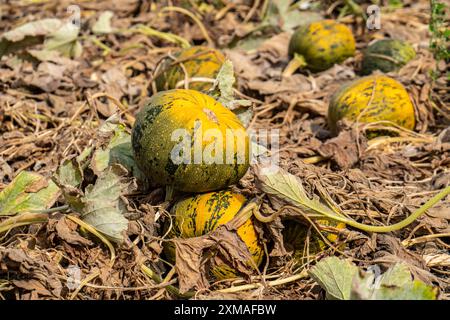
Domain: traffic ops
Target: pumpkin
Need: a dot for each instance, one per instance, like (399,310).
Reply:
(319,45)
(193,62)
(187,140)
(387,55)
(198,215)
(370,99)
(295,235)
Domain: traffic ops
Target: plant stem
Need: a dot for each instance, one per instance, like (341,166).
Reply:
(94,231)
(149,272)
(273,283)
(196,20)
(297,62)
(397,226)
(22,219)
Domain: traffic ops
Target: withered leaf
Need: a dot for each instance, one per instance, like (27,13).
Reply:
(343,150)
(68,233)
(190,256)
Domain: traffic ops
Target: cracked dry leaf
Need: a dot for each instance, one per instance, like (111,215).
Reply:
(28,192)
(343,149)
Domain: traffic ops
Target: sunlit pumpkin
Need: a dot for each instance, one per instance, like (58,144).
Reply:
(187,140)
(319,45)
(199,64)
(198,215)
(370,99)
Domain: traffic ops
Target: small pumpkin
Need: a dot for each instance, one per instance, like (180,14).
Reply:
(187,140)
(370,99)
(319,45)
(194,62)
(295,236)
(198,215)
(387,55)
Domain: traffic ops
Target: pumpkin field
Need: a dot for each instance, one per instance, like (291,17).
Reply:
(224,149)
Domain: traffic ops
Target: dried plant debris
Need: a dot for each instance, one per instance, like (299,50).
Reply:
(78,219)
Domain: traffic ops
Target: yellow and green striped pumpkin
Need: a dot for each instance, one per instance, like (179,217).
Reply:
(387,55)
(154,144)
(194,62)
(322,44)
(198,215)
(370,99)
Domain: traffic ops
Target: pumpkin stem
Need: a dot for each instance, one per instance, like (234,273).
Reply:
(169,193)
(297,62)
(244,214)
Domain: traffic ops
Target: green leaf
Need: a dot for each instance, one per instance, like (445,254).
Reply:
(335,276)
(223,91)
(118,149)
(395,284)
(244,114)
(54,33)
(65,40)
(103,208)
(225,81)
(28,192)
(26,35)
(33,29)
(69,173)
(344,281)
(285,186)
(103,24)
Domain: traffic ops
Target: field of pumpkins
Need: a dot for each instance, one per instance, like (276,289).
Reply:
(224,149)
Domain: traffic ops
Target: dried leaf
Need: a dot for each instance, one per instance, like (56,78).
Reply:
(343,149)
(36,28)
(280,13)
(27,192)
(68,233)
(225,85)
(225,81)
(190,256)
